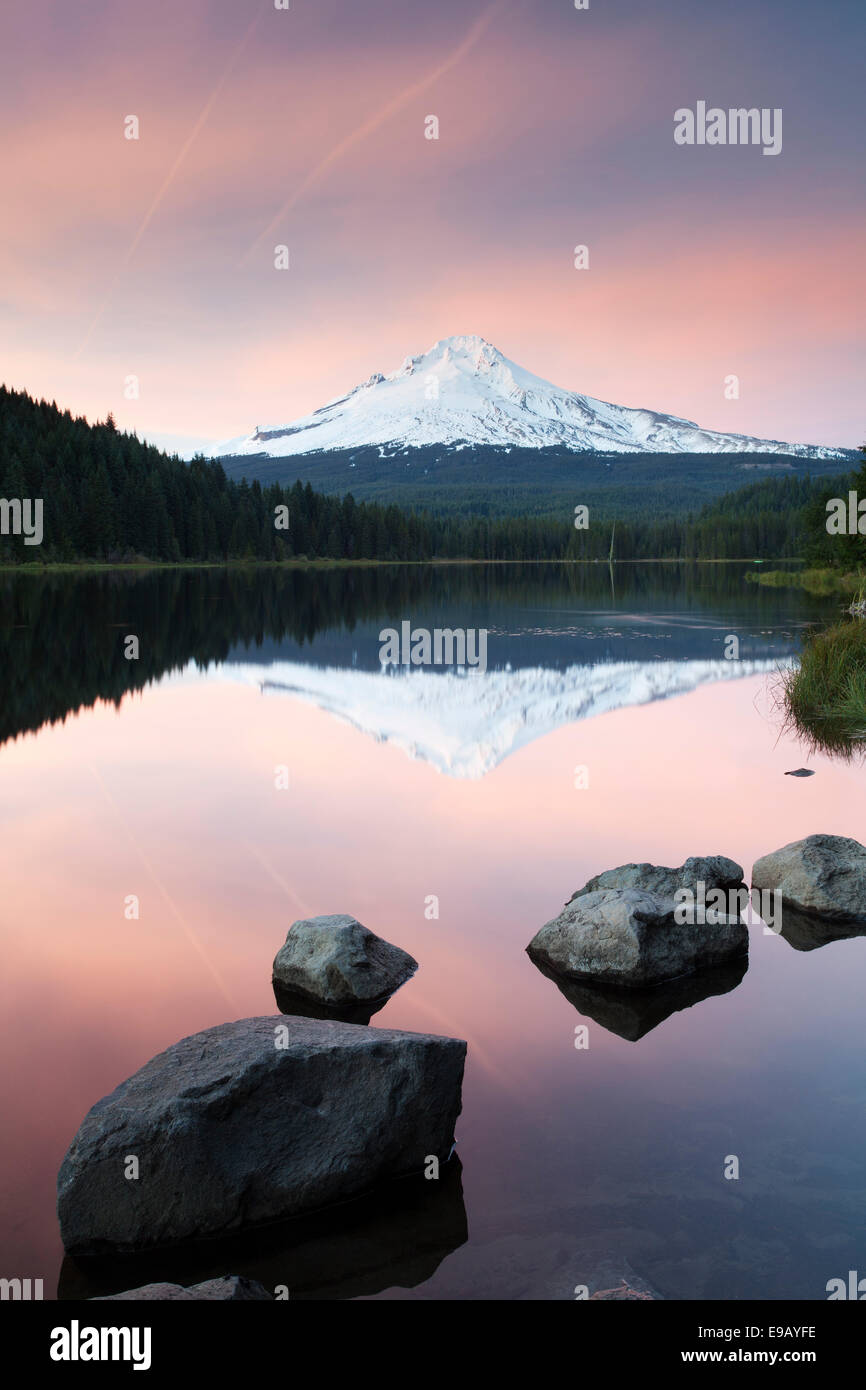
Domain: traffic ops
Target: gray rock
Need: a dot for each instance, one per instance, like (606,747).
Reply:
(338,963)
(231,1288)
(715,871)
(252,1121)
(801,772)
(823,874)
(630,938)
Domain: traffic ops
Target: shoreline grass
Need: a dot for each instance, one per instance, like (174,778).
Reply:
(823,583)
(824,698)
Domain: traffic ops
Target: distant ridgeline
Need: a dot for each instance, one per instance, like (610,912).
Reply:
(463,480)
(109,497)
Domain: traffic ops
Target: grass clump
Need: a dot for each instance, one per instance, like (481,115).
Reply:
(825,696)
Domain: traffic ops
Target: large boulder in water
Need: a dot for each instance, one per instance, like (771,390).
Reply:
(631,939)
(824,875)
(714,871)
(338,965)
(252,1121)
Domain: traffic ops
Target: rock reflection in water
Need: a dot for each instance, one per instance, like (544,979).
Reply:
(806,932)
(396,1237)
(632,1013)
(288,1002)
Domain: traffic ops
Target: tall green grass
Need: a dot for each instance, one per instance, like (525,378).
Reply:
(825,697)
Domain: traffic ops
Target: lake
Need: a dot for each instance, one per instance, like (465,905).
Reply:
(608,727)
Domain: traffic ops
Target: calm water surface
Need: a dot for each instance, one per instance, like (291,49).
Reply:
(156,778)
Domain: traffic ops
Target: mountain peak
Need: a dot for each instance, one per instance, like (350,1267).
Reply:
(466,350)
(468,344)
(463,391)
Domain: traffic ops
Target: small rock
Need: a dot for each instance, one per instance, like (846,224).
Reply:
(337,963)
(823,874)
(231,1288)
(801,772)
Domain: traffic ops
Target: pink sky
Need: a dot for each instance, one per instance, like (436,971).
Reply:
(306,127)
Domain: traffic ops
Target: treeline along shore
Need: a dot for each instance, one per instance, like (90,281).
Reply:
(108,497)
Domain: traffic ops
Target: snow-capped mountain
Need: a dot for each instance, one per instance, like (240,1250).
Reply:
(464,392)
(464,726)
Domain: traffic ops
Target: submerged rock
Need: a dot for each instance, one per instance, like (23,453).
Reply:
(252,1121)
(623,1293)
(339,965)
(542,1256)
(630,938)
(824,875)
(714,871)
(231,1288)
